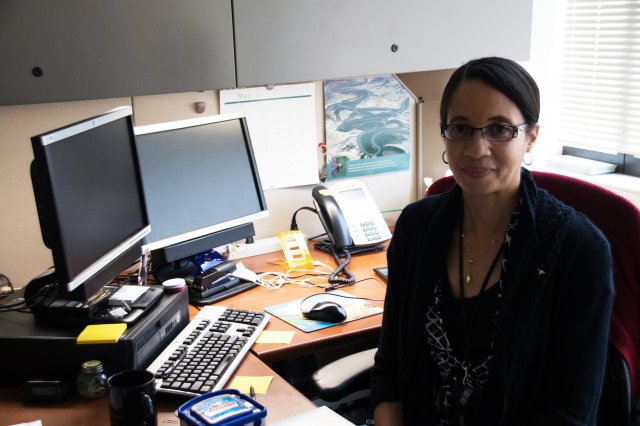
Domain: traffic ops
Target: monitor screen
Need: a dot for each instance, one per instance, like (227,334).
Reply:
(201,181)
(89,195)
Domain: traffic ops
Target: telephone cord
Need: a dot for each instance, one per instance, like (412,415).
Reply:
(342,269)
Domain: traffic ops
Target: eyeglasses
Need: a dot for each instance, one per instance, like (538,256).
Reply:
(492,132)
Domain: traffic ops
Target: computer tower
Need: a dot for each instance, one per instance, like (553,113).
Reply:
(33,350)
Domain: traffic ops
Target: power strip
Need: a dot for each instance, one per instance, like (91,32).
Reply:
(259,246)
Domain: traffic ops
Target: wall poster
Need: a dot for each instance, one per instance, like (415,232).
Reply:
(367,127)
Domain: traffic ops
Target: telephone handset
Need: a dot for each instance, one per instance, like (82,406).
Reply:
(350,215)
(331,217)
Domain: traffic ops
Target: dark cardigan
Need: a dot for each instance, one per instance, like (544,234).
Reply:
(551,335)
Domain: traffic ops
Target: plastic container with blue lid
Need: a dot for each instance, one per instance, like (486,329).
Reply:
(226,407)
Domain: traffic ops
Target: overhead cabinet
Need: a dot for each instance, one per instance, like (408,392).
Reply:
(279,41)
(63,50)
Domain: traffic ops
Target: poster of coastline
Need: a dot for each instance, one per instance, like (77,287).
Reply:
(367,127)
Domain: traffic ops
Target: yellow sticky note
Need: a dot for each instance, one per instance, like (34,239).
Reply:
(101,333)
(268,336)
(243,384)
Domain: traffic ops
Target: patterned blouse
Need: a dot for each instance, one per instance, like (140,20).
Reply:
(459,382)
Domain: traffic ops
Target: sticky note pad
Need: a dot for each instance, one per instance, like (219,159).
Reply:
(244,383)
(101,333)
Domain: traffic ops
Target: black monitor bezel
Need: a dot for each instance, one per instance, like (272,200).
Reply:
(87,282)
(190,243)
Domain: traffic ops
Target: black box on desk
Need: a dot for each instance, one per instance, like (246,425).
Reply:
(31,350)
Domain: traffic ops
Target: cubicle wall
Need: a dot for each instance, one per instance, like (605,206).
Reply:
(95,51)
(22,253)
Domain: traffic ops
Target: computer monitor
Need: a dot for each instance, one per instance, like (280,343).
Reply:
(90,201)
(202,188)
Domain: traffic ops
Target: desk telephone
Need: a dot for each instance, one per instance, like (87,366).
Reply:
(350,215)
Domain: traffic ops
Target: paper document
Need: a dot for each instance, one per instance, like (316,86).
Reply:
(283,130)
(321,416)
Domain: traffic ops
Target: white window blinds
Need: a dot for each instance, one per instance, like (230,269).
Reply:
(600,89)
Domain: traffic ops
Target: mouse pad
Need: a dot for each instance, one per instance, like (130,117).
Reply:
(291,312)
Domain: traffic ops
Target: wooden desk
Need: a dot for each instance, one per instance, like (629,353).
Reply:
(282,400)
(257,299)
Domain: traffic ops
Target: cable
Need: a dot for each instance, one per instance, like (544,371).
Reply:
(6,286)
(372,279)
(22,305)
(338,295)
(342,295)
(17,302)
(294,224)
(335,279)
(275,280)
(341,269)
(317,236)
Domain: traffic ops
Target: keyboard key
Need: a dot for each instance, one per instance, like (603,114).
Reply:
(207,351)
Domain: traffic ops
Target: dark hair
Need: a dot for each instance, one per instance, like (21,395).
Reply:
(504,75)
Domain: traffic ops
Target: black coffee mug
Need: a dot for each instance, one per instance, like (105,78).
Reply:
(132,398)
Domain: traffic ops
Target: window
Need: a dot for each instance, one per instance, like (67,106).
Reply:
(600,86)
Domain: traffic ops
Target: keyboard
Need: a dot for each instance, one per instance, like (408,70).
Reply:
(207,351)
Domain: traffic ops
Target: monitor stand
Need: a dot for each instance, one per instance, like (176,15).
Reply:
(111,304)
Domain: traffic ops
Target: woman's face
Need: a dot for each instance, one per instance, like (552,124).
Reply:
(480,166)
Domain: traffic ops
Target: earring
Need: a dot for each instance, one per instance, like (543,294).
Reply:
(443,159)
(524,159)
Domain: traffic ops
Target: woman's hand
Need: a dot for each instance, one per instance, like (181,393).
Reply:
(388,414)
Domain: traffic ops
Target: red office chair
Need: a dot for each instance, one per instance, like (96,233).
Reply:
(619,220)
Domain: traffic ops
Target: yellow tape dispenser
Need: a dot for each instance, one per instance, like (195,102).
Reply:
(295,249)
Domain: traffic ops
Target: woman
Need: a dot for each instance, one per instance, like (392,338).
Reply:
(499,297)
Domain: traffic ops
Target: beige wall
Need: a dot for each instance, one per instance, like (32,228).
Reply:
(428,86)
(391,191)
(22,253)
(181,106)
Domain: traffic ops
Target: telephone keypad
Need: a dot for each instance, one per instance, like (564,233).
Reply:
(370,230)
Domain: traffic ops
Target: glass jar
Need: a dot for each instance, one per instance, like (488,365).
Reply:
(92,381)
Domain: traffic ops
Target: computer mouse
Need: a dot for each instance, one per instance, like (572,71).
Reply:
(326,311)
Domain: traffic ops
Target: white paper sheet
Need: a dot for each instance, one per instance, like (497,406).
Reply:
(321,416)
(282,126)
